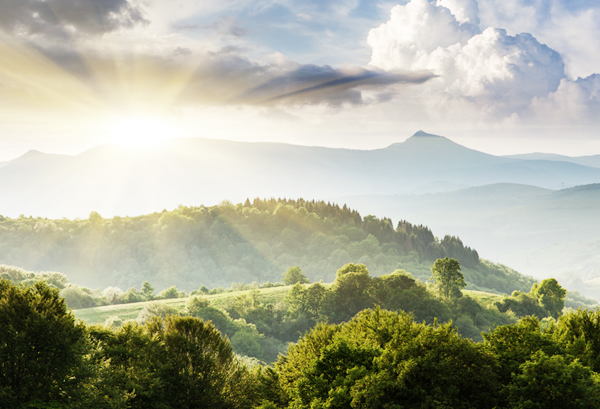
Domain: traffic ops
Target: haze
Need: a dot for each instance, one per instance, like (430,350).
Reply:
(130,107)
(512,77)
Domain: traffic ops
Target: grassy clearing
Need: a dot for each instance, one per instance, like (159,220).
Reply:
(98,315)
(485,299)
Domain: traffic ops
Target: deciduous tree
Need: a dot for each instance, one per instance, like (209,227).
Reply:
(447,277)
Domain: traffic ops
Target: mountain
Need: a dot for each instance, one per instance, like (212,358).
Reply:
(592,160)
(539,232)
(115,179)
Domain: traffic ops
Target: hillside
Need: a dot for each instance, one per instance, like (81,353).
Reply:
(539,232)
(215,246)
(591,160)
(121,180)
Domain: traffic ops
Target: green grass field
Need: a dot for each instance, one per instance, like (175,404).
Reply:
(485,299)
(98,315)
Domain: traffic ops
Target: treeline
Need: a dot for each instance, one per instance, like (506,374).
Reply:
(251,242)
(378,359)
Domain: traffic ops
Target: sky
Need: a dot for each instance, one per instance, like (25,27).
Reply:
(503,77)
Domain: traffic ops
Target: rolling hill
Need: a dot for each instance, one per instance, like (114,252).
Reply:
(540,232)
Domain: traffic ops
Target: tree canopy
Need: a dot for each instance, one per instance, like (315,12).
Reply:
(42,347)
(294,275)
(447,278)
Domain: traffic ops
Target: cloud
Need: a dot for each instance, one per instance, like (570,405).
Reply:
(413,32)
(228,78)
(571,27)
(60,18)
(465,11)
(227,26)
(495,74)
(305,17)
(319,84)
(574,102)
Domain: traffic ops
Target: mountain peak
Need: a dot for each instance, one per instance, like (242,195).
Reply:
(30,154)
(421,134)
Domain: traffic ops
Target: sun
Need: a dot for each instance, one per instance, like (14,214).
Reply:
(142,131)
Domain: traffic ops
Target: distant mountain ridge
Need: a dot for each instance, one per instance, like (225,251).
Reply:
(591,160)
(117,180)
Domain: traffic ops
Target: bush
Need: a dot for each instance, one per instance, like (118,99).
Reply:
(156,309)
(79,297)
(169,293)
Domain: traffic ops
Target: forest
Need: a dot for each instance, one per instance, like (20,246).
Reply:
(256,241)
(405,325)
(354,355)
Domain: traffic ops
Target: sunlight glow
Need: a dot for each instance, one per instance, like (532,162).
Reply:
(142,131)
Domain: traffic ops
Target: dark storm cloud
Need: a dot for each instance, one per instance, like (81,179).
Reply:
(56,18)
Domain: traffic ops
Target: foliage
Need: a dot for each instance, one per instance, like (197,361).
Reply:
(516,344)
(156,309)
(349,293)
(147,291)
(172,363)
(294,275)
(579,332)
(447,278)
(544,299)
(377,359)
(385,360)
(522,304)
(203,371)
(552,382)
(195,304)
(170,292)
(42,347)
(551,296)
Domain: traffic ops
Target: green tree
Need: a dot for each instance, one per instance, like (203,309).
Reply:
(382,359)
(202,371)
(148,291)
(349,293)
(447,278)
(195,304)
(518,343)
(156,309)
(306,301)
(579,332)
(133,363)
(171,292)
(552,382)
(522,304)
(550,295)
(294,275)
(42,348)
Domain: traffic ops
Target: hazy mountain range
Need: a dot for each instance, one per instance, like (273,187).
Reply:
(114,179)
(521,210)
(591,160)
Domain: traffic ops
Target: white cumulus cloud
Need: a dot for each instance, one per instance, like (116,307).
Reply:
(498,75)
(465,11)
(574,102)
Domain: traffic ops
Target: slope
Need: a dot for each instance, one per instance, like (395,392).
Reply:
(216,246)
(540,232)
